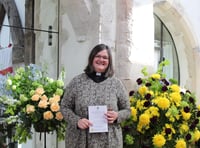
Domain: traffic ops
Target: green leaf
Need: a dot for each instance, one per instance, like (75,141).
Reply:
(144,71)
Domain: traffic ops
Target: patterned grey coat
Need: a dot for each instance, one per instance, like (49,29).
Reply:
(82,92)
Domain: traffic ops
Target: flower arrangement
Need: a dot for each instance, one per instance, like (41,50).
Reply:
(35,103)
(163,115)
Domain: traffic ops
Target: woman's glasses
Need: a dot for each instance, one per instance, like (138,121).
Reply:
(103,57)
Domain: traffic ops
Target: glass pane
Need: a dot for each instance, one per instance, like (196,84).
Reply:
(165,49)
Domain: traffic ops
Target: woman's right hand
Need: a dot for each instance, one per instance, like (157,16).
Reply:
(84,123)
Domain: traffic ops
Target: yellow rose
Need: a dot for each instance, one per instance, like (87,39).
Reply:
(30,108)
(55,107)
(59,116)
(55,99)
(44,97)
(35,97)
(39,91)
(43,104)
(48,115)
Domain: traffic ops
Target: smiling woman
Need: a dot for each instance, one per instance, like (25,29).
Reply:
(101,61)
(96,87)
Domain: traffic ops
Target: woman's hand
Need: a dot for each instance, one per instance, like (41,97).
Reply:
(111,116)
(84,123)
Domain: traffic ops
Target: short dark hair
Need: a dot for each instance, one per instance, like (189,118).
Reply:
(90,69)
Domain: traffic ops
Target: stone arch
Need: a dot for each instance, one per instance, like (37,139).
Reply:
(184,39)
(17,34)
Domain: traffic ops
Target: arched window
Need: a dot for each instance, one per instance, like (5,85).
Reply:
(165,49)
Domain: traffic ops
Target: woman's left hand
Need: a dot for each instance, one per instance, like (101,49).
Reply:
(111,116)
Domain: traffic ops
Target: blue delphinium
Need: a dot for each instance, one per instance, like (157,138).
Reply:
(3,90)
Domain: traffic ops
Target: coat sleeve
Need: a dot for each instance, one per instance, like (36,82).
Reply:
(68,104)
(123,102)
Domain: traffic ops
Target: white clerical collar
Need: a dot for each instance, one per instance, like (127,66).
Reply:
(98,74)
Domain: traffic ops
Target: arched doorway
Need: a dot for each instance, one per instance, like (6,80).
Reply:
(184,41)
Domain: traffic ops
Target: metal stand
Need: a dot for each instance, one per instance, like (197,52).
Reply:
(45,139)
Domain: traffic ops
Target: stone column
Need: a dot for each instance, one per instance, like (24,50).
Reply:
(134,39)
(29,34)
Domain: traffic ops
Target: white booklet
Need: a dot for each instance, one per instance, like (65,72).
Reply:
(98,119)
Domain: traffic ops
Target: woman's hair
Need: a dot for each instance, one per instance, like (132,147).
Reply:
(90,69)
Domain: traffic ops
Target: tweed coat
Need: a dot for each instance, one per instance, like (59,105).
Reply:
(81,92)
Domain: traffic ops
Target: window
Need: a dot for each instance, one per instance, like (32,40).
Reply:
(165,49)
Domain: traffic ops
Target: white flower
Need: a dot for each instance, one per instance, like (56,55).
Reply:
(9,82)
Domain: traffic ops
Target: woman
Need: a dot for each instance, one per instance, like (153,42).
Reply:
(97,86)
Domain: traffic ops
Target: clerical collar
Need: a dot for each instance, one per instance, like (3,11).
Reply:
(97,77)
(98,74)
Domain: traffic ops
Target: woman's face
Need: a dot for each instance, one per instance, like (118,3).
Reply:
(101,61)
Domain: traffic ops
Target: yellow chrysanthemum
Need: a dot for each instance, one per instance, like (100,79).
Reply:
(180,143)
(163,103)
(139,128)
(198,107)
(186,116)
(155,76)
(143,90)
(132,99)
(176,98)
(184,128)
(159,140)
(196,135)
(144,119)
(140,104)
(175,88)
(171,119)
(134,113)
(153,111)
